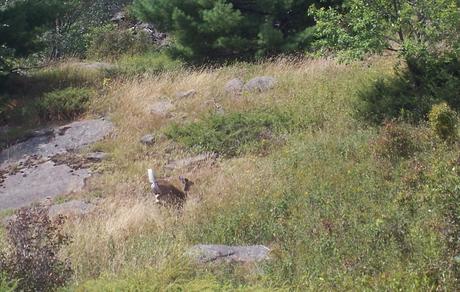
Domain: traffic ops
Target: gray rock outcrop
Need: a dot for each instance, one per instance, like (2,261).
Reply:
(46,163)
(234,86)
(44,180)
(260,84)
(71,137)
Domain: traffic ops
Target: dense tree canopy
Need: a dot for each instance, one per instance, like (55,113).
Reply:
(425,34)
(412,28)
(22,22)
(216,29)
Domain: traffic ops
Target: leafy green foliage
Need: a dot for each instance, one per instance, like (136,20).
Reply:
(230,134)
(226,29)
(411,95)
(22,22)
(64,104)
(76,22)
(443,121)
(425,34)
(415,29)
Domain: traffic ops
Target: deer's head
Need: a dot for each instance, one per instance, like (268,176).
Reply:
(186,182)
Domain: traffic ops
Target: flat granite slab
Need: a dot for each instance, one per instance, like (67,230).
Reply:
(34,184)
(27,172)
(70,137)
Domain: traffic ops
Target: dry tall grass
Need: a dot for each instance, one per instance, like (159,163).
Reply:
(129,232)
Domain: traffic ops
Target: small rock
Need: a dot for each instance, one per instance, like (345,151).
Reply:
(186,94)
(71,208)
(260,84)
(61,130)
(234,86)
(222,253)
(161,108)
(148,139)
(96,156)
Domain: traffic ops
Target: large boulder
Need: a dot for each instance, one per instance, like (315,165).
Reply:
(161,108)
(234,86)
(207,253)
(260,84)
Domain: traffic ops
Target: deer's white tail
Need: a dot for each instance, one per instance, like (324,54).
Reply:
(151,175)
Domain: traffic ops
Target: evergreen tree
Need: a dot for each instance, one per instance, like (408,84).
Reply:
(222,29)
(22,22)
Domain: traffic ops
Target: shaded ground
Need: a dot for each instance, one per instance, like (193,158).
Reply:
(34,169)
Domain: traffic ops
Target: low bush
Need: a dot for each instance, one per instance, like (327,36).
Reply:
(109,43)
(230,134)
(34,242)
(411,94)
(443,121)
(394,141)
(64,104)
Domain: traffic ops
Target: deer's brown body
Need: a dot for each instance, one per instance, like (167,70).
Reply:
(168,194)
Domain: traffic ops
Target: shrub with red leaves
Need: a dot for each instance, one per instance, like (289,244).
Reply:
(34,242)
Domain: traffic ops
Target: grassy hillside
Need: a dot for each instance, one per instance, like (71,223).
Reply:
(343,204)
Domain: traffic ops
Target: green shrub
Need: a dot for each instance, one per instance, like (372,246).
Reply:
(64,104)
(411,94)
(394,141)
(109,43)
(443,121)
(230,134)
(150,63)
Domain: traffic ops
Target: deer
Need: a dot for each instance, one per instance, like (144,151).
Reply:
(168,194)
